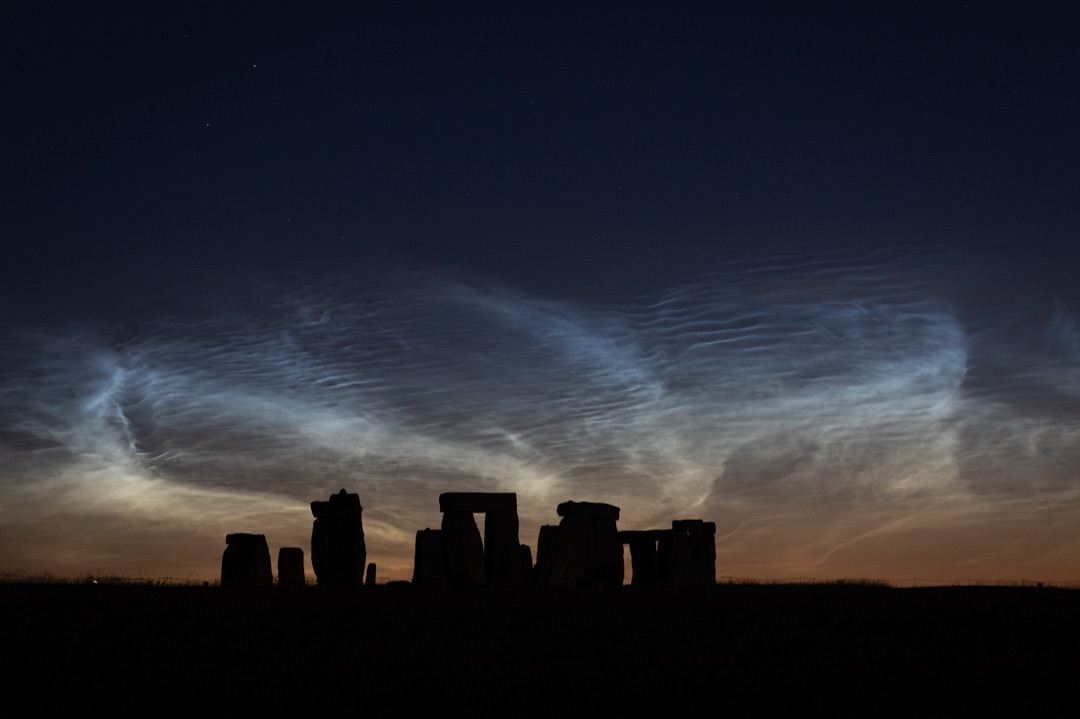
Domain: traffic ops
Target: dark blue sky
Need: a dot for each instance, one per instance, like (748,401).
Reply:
(206,136)
(771,264)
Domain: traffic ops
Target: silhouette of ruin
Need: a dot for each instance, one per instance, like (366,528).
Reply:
(683,556)
(338,552)
(584,550)
(457,556)
(246,561)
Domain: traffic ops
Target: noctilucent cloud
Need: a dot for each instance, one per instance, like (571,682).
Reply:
(836,414)
(808,274)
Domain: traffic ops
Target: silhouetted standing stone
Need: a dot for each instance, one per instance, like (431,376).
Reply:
(678,556)
(463,550)
(701,541)
(290,567)
(428,567)
(607,570)
(246,561)
(643,562)
(548,548)
(502,549)
(599,554)
(338,551)
(586,551)
(369,578)
(577,553)
(467,559)
(526,560)
(687,554)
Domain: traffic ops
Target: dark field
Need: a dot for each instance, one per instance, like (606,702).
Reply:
(410,644)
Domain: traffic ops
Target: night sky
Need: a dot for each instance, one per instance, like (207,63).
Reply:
(807,270)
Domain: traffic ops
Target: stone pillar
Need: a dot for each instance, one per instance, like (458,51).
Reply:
(246,561)
(695,548)
(463,550)
(502,550)
(428,565)
(596,553)
(290,567)
(679,555)
(701,539)
(664,544)
(643,564)
(608,570)
(548,572)
(526,562)
(578,550)
(338,551)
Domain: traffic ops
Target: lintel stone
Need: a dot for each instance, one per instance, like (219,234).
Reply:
(589,510)
(474,502)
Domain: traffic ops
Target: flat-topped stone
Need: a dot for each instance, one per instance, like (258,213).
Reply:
(481,502)
(589,510)
(246,561)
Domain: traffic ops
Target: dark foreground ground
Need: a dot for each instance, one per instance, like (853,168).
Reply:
(815,643)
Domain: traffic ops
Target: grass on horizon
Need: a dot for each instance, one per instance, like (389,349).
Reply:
(104,578)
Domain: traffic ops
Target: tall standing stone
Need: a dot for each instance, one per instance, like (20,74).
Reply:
(554,567)
(701,540)
(526,559)
(643,562)
(428,567)
(502,549)
(338,551)
(463,550)
(663,556)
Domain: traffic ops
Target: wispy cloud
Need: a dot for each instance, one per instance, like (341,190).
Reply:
(846,385)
